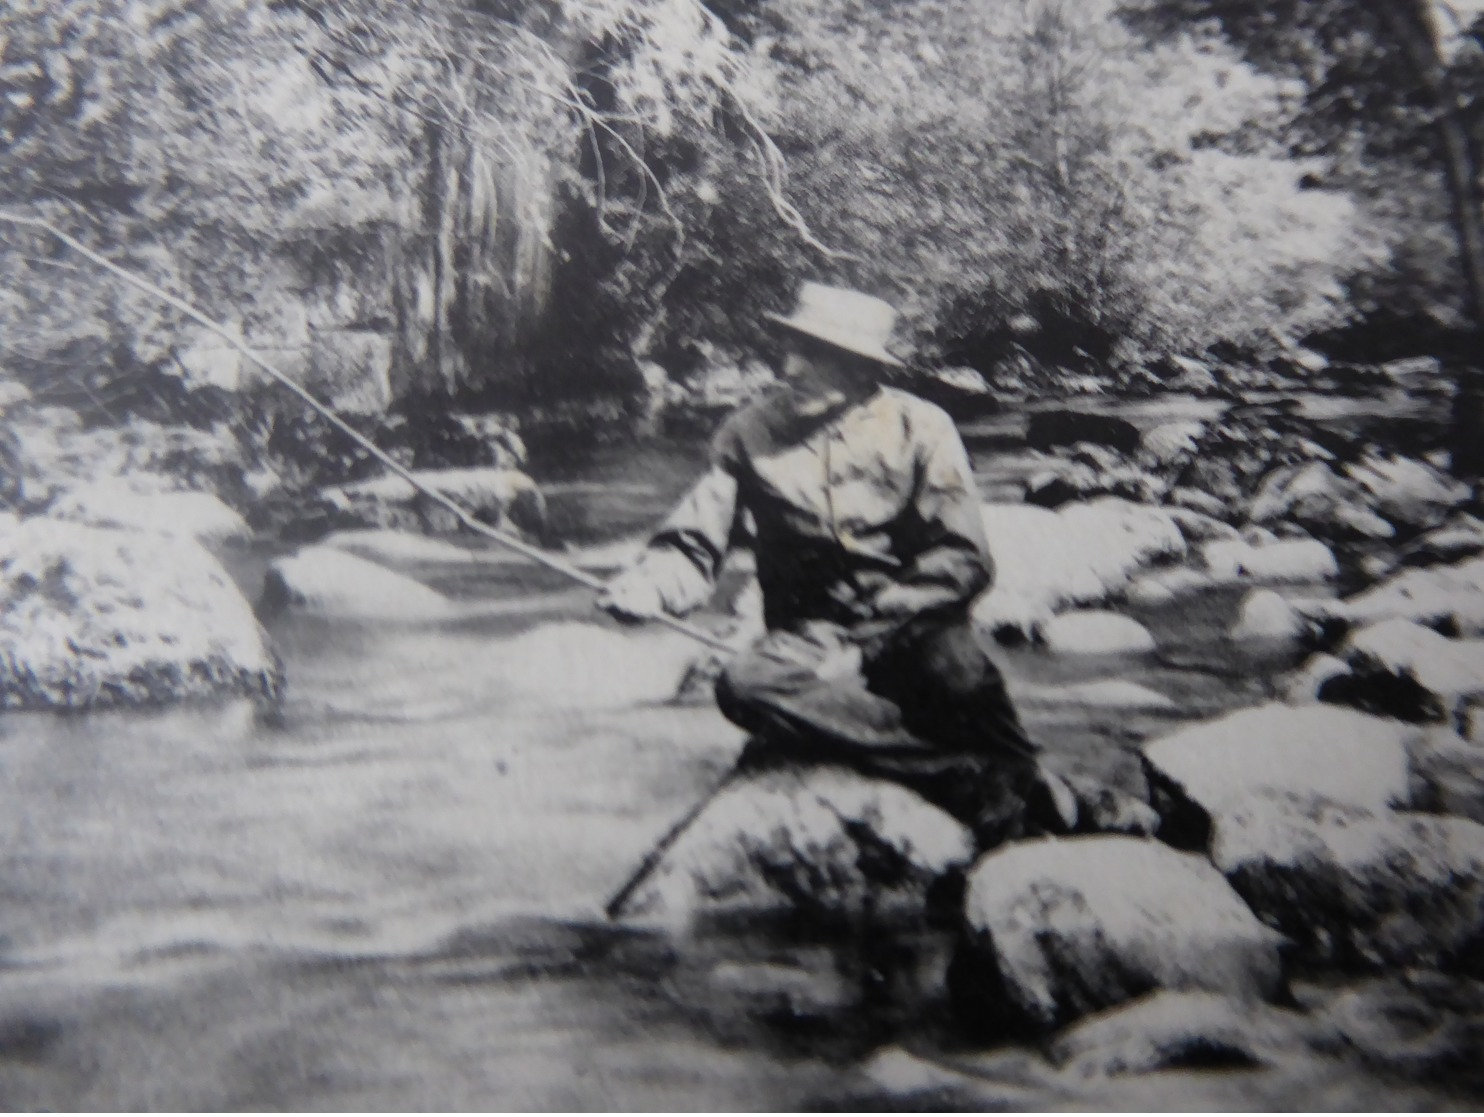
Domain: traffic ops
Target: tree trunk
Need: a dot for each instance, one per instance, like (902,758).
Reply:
(1415,25)
(1416,28)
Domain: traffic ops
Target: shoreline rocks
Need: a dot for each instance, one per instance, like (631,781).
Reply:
(96,617)
(1060,928)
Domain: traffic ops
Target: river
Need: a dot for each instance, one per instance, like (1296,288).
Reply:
(388,895)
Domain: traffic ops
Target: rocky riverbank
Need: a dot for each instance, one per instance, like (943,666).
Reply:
(1283,881)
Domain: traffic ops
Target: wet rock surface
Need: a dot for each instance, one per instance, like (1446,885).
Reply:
(1358,888)
(818,842)
(150,504)
(1060,928)
(93,617)
(1315,753)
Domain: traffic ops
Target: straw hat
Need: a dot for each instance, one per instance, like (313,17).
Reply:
(846,319)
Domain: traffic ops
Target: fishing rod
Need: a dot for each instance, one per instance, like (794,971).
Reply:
(466,518)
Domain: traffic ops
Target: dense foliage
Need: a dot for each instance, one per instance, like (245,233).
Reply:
(526,199)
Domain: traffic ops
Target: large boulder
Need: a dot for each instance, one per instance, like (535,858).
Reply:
(503,497)
(1082,554)
(1407,492)
(818,841)
(1047,430)
(143,503)
(95,617)
(329,582)
(1321,753)
(1448,598)
(1060,928)
(1408,671)
(1096,632)
(1358,888)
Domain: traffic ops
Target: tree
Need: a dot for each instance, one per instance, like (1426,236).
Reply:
(1403,76)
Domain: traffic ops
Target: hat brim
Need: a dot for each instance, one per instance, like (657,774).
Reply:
(840,339)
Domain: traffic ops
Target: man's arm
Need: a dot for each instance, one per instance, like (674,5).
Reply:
(948,561)
(677,571)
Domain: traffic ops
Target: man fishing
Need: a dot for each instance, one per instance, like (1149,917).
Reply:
(870,549)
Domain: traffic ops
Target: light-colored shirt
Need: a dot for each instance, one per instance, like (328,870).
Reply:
(866,516)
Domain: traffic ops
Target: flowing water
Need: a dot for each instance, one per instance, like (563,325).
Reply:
(388,894)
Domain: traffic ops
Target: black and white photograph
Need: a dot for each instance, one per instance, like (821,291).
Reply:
(741,555)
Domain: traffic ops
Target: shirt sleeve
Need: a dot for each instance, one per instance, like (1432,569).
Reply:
(948,562)
(685,554)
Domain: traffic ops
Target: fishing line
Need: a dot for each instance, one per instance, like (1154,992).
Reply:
(464,517)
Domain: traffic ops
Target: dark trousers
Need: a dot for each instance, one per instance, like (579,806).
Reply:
(929,712)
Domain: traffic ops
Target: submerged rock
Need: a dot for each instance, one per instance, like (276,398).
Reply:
(1356,887)
(818,841)
(1426,1026)
(1171,1030)
(1317,753)
(1096,632)
(99,617)
(143,505)
(1061,928)
(335,583)
(1162,587)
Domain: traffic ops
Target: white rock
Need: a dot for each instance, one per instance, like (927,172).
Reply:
(1197,527)
(1095,632)
(1169,442)
(330,582)
(1355,887)
(1266,615)
(1407,491)
(1162,587)
(1293,560)
(98,617)
(129,503)
(1066,927)
(821,841)
(1320,752)
(1451,669)
(1439,595)
(1078,555)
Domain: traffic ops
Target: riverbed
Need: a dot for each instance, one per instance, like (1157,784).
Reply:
(388,894)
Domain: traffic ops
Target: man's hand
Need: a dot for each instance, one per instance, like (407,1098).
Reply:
(632,599)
